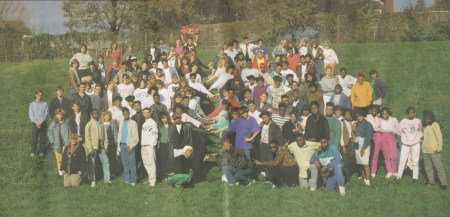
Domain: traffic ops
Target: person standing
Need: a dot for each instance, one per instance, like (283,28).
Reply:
(58,135)
(316,125)
(83,59)
(411,131)
(379,88)
(37,112)
(334,125)
(363,135)
(127,139)
(303,151)
(73,163)
(389,127)
(431,148)
(361,95)
(59,102)
(246,129)
(148,145)
(83,99)
(96,144)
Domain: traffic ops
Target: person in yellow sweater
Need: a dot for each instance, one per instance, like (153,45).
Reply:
(431,148)
(361,96)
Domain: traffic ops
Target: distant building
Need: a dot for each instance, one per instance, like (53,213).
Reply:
(384,6)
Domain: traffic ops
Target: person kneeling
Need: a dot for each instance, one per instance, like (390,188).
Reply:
(234,164)
(181,172)
(73,163)
(284,166)
(328,161)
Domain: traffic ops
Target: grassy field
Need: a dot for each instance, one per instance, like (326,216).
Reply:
(416,73)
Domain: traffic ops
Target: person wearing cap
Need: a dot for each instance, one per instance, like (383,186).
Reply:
(181,169)
(270,133)
(362,92)
(327,159)
(73,163)
(339,98)
(116,109)
(127,139)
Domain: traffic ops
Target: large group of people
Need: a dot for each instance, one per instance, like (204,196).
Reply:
(288,120)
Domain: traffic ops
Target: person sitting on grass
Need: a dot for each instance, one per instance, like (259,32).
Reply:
(234,164)
(73,163)
(327,160)
(180,168)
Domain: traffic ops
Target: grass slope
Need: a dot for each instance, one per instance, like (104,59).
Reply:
(416,73)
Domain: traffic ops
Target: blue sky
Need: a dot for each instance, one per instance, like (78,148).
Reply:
(47,16)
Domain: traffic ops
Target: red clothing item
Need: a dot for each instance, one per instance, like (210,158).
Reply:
(219,108)
(255,65)
(293,60)
(113,55)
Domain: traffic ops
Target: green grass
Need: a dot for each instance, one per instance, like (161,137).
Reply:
(416,73)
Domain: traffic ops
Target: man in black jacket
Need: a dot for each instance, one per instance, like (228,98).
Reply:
(270,133)
(83,99)
(316,125)
(77,121)
(60,102)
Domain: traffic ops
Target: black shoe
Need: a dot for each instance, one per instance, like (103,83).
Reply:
(444,187)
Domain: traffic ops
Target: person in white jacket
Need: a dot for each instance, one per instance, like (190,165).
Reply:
(127,139)
(148,142)
(330,57)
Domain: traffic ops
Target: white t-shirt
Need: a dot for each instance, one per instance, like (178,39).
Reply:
(125,90)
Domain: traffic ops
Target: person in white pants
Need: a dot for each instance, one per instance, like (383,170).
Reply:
(148,143)
(412,132)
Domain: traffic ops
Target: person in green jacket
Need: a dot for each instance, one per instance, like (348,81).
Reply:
(334,124)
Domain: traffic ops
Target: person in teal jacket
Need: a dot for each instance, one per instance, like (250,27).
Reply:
(334,124)
(328,161)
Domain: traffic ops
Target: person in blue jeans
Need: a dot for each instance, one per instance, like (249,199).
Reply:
(328,161)
(234,164)
(128,138)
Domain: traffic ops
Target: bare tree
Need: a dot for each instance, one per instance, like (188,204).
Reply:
(13,10)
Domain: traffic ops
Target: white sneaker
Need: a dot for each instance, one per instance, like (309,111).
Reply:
(32,155)
(60,173)
(312,189)
(253,181)
(133,184)
(342,190)
(224,178)
(373,175)
(263,174)
(388,175)
(152,185)
(367,182)
(93,184)
(273,186)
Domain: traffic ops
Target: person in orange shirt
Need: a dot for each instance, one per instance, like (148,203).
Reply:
(361,96)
